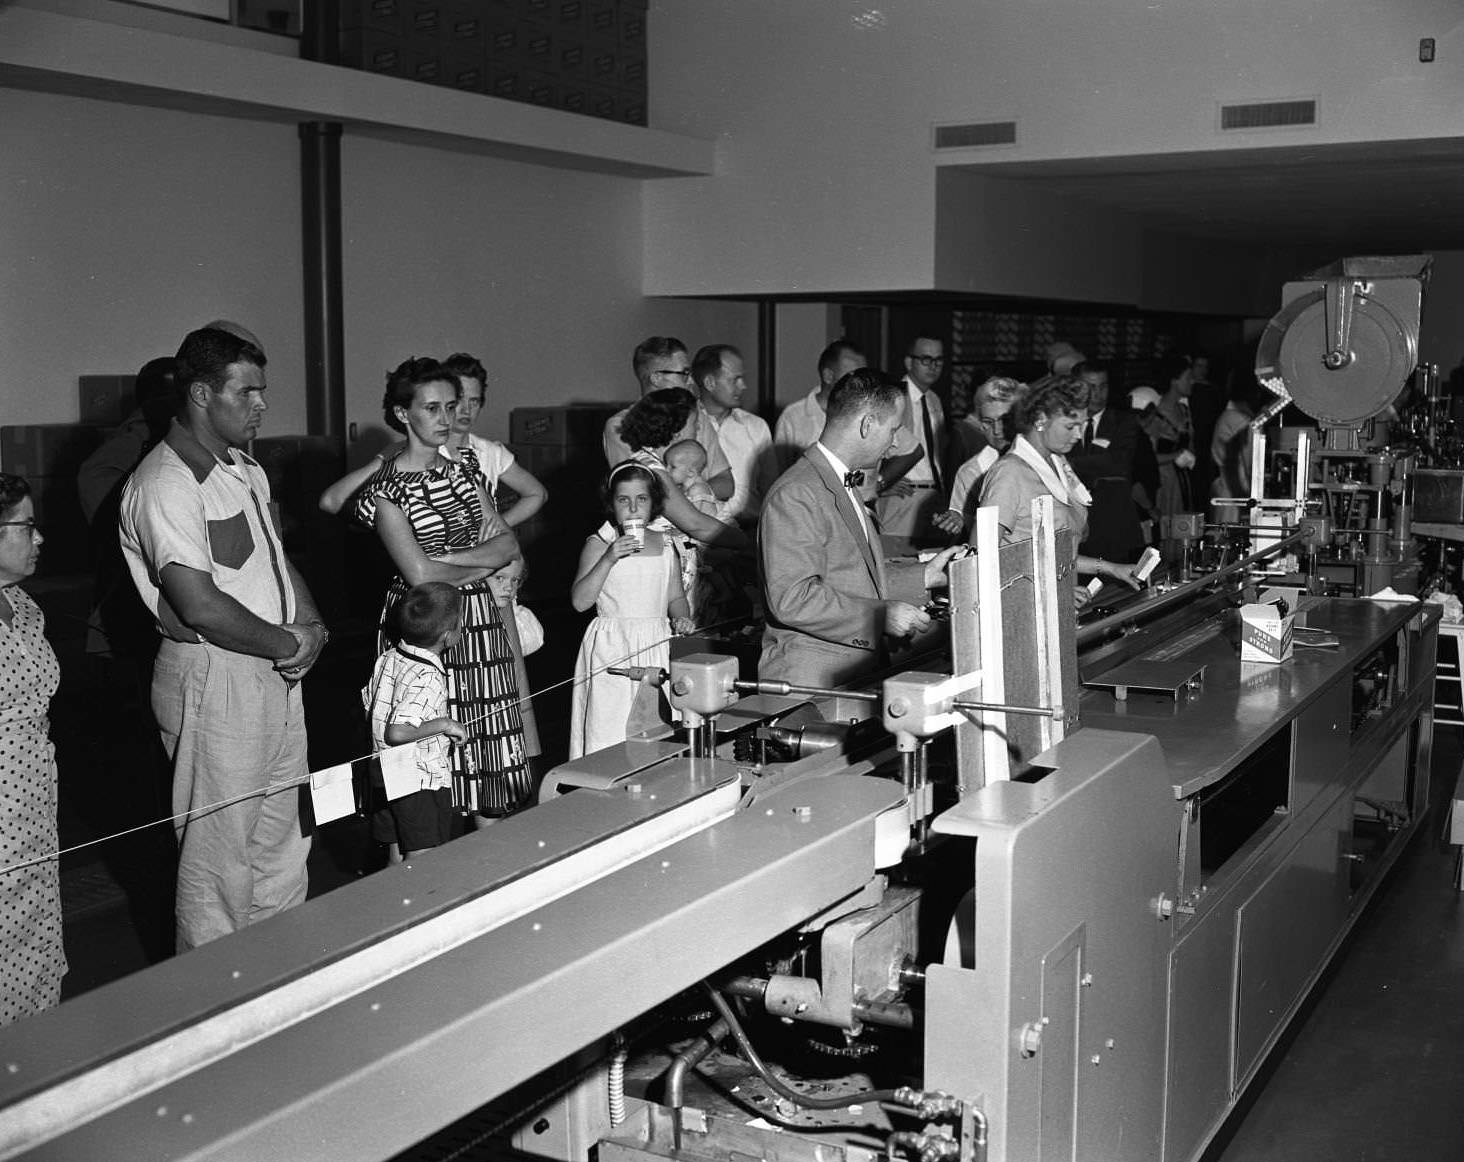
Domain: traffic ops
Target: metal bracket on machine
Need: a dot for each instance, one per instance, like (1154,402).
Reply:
(1340,292)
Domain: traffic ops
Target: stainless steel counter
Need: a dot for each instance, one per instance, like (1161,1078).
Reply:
(1240,704)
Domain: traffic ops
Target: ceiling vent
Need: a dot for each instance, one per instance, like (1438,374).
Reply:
(975,135)
(1268,115)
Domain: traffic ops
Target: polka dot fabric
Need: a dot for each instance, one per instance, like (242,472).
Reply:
(32,960)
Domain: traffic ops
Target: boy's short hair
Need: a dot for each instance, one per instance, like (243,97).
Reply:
(682,447)
(428,612)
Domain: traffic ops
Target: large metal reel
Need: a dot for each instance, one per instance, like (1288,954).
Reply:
(1382,353)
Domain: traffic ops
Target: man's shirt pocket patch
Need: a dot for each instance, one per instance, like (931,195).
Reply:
(230,542)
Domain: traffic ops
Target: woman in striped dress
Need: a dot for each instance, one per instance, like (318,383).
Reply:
(437,523)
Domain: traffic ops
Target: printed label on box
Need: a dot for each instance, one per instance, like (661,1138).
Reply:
(1265,635)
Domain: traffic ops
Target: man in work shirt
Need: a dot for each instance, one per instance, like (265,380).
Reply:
(239,631)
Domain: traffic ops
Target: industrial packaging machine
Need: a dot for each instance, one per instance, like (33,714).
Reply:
(1053,893)
(1088,959)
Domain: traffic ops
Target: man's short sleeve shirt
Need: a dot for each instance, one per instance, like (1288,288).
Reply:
(185,506)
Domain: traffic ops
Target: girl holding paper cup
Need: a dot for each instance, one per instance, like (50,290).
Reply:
(629,573)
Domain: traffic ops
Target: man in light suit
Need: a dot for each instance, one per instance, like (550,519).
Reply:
(832,600)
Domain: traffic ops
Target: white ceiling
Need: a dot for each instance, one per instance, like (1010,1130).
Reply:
(1390,197)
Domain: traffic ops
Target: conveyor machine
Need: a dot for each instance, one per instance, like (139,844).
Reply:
(1055,898)
(1342,348)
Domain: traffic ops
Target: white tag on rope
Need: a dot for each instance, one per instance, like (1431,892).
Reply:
(400,772)
(331,793)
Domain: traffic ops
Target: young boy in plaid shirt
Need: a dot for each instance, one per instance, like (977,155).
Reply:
(407,702)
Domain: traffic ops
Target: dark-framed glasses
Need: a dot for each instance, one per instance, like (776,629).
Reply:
(28,525)
(679,372)
(928,360)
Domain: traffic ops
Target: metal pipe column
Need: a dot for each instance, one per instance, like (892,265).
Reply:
(320,236)
(767,359)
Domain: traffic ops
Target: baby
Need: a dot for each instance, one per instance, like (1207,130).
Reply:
(706,589)
(686,460)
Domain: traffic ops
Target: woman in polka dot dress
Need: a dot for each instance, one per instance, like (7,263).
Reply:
(32,961)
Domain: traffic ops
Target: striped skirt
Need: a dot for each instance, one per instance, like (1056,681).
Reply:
(482,694)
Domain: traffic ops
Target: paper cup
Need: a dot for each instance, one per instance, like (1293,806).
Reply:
(635,527)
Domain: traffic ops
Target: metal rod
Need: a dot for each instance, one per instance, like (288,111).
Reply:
(1004,708)
(1095,632)
(907,770)
(891,1014)
(887,1013)
(920,825)
(704,739)
(1336,531)
(786,689)
(635,673)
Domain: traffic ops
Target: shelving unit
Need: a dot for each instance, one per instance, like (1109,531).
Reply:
(93,50)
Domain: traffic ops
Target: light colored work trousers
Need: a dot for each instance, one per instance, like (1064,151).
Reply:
(231,725)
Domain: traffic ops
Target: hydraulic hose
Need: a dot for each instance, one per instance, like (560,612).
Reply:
(773,1082)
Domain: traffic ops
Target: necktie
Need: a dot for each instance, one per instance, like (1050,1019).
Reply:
(929,441)
(853,481)
(1088,434)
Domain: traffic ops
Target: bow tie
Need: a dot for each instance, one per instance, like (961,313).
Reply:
(853,479)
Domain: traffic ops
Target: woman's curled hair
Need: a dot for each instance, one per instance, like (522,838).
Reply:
(656,418)
(403,381)
(1060,395)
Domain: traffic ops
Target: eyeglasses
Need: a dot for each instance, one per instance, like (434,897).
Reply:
(928,360)
(682,372)
(28,525)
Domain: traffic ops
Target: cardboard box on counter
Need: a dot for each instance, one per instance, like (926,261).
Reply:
(1265,634)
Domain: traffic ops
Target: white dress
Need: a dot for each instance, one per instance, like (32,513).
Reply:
(630,629)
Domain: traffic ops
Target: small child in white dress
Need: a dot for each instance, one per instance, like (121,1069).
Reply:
(505,585)
(525,635)
(629,573)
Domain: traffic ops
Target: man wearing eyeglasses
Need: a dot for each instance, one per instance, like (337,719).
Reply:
(663,361)
(911,486)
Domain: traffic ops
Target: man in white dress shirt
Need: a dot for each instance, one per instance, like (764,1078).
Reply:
(803,419)
(911,481)
(746,441)
(662,361)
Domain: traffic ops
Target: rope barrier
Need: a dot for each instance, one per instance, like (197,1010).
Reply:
(300,781)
